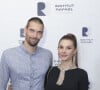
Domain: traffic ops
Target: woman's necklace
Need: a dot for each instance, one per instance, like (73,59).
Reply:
(62,73)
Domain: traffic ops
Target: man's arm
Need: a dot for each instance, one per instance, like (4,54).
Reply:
(4,73)
(46,76)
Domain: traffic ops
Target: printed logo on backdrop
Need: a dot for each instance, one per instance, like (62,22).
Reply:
(86,36)
(54,8)
(64,7)
(40,8)
(56,62)
(43,8)
(21,34)
(84,31)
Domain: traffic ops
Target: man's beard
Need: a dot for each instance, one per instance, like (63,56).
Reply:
(33,44)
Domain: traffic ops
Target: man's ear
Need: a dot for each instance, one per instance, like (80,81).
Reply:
(25,31)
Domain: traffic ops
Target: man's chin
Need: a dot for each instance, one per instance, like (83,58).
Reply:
(33,44)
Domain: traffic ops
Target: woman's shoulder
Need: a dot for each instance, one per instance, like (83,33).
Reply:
(82,71)
(83,75)
(54,68)
(53,71)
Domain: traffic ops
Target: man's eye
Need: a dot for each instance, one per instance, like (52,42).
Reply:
(31,30)
(40,32)
(60,47)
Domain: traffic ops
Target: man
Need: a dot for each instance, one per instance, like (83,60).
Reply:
(26,65)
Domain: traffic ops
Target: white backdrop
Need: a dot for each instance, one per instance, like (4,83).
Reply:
(61,17)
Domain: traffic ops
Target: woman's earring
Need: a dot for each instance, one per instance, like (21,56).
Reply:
(74,60)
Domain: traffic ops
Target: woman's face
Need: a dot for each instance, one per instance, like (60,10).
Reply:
(66,49)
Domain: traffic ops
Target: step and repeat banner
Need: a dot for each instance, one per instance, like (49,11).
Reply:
(80,17)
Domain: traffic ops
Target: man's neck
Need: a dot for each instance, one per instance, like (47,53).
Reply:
(29,48)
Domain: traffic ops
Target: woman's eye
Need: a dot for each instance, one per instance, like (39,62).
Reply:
(69,48)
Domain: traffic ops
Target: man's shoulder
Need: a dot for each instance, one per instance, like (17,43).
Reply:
(10,50)
(44,50)
(8,53)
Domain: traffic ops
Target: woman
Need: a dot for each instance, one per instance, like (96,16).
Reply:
(67,75)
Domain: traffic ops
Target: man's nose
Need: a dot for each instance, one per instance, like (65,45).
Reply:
(35,34)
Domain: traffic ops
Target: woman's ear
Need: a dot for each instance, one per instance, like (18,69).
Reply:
(75,51)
